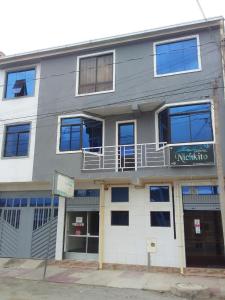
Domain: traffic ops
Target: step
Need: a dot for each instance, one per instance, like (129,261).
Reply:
(206,272)
(81,264)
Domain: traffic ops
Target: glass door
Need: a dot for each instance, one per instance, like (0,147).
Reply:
(82,232)
(126,146)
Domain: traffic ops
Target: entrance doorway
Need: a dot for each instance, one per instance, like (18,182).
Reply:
(204,245)
(82,235)
(126,141)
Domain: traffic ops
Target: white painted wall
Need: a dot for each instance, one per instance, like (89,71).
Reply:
(13,111)
(127,244)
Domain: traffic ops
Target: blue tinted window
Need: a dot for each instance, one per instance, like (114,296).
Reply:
(184,124)
(159,194)
(177,56)
(24,202)
(120,194)
(126,134)
(160,218)
(17,140)
(200,190)
(78,133)
(2,202)
(9,202)
(16,202)
(47,201)
(20,84)
(33,202)
(56,201)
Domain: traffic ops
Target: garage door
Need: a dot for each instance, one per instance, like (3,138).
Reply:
(25,223)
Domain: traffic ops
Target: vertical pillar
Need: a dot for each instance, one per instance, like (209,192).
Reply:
(60,229)
(219,157)
(101,226)
(179,219)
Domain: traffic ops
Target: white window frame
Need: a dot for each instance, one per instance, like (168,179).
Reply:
(20,69)
(113,52)
(176,40)
(77,116)
(183,104)
(135,139)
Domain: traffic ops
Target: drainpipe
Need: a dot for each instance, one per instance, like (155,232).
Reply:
(101,226)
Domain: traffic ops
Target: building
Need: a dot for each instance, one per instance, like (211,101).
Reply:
(131,118)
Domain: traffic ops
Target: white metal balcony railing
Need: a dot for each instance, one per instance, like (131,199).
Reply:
(124,157)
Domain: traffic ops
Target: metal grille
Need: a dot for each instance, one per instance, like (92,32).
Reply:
(42,216)
(11,216)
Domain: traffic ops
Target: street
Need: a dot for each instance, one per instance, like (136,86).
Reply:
(17,289)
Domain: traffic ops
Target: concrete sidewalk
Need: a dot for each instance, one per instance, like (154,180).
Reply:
(154,281)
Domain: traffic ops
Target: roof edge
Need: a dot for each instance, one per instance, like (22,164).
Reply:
(113,40)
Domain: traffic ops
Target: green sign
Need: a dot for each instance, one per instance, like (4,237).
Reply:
(192,155)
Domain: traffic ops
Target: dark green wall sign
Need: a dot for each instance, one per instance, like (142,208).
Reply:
(190,155)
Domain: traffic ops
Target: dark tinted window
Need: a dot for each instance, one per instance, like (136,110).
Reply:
(87,193)
(17,140)
(159,194)
(120,194)
(160,218)
(20,84)
(120,218)
(185,124)
(78,133)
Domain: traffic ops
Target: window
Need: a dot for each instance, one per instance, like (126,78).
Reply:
(77,133)
(20,83)
(186,124)
(95,74)
(87,193)
(120,218)
(200,190)
(120,194)
(159,194)
(177,56)
(17,140)
(160,218)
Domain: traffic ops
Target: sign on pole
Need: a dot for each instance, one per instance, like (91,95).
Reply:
(63,185)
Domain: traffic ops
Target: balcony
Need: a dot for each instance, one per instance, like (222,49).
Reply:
(124,157)
(149,155)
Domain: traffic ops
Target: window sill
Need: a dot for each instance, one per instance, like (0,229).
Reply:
(177,73)
(18,98)
(14,157)
(68,152)
(95,93)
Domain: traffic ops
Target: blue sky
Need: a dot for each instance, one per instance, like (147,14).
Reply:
(30,25)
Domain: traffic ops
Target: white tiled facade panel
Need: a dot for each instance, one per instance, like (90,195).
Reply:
(15,111)
(128,244)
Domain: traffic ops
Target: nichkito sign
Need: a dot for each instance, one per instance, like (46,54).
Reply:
(192,155)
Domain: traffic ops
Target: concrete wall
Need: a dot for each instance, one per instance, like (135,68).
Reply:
(134,79)
(14,111)
(133,248)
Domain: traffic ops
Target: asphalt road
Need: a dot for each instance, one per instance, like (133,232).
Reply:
(17,289)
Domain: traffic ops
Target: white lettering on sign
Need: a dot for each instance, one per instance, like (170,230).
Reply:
(197,226)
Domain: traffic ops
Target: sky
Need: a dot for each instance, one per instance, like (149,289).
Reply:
(27,25)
